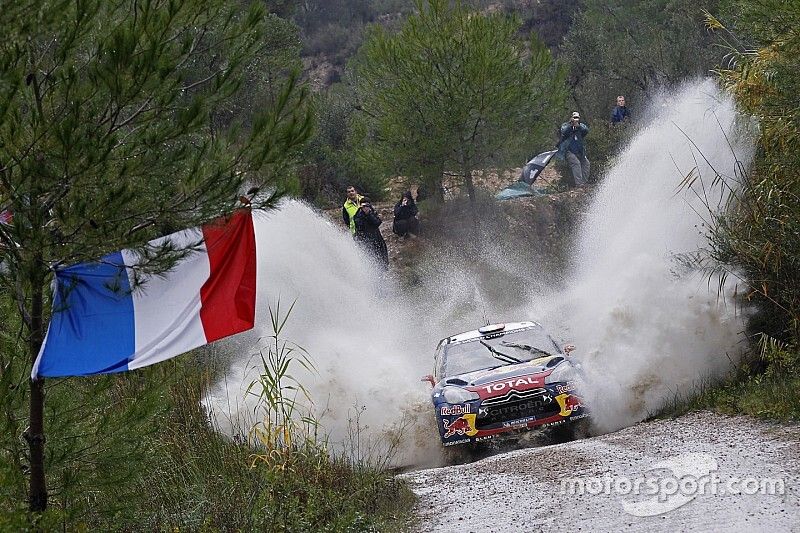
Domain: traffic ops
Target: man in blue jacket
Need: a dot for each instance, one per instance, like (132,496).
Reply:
(571,148)
(620,113)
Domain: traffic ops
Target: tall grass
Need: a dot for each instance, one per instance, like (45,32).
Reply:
(287,428)
(757,236)
(760,234)
(138,452)
(278,476)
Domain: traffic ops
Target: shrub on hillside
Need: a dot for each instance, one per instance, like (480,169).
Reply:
(760,234)
(332,162)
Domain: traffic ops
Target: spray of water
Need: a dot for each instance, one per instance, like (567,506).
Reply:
(644,332)
(351,317)
(650,332)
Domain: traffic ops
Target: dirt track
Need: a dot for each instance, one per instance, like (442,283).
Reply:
(522,490)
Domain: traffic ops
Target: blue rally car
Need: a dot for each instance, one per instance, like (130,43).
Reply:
(502,378)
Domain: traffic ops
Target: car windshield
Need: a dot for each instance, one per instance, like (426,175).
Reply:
(500,350)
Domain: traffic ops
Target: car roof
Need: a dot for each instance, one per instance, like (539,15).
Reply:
(476,334)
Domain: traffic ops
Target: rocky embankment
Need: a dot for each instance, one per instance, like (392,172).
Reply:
(541,224)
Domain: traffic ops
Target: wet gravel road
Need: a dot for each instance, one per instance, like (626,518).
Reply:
(699,472)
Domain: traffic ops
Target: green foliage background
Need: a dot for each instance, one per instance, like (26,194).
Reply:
(632,48)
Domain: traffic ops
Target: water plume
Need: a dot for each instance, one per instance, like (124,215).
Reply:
(650,330)
(646,330)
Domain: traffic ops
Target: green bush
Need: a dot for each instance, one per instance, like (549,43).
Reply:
(760,234)
(632,47)
(336,42)
(766,387)
(332,163)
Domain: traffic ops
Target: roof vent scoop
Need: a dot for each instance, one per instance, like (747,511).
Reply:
(491,328)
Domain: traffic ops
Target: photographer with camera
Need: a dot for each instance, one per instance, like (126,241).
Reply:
(571,147)
(405,216)
(367,224)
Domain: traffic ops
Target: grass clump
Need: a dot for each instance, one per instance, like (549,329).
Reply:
(766,387)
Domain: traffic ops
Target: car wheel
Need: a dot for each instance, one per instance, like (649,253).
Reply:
(570,431)
(466,453)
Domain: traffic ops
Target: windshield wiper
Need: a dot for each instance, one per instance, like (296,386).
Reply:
(500,355)
(526,347)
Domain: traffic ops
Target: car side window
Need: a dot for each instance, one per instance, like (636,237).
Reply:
(555,344)
(438,361)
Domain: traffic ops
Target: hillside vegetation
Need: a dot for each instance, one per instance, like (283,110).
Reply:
(758,238)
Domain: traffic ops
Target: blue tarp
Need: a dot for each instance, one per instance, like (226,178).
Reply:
(517,189)
(531,171)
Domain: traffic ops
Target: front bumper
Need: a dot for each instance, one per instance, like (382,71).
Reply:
(486,418)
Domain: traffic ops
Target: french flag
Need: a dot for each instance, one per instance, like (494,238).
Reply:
(103,322)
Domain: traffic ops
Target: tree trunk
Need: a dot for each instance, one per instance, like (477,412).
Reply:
(37,498)
(470,186)
(434,187)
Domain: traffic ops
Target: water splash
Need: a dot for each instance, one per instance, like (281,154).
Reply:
(362,334)
(650,332)
(644,332)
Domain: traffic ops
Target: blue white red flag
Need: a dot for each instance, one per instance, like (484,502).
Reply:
(103,322)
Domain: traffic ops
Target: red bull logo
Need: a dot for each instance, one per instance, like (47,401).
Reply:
(573,403)
(569,387)
(450,410)
(463,425)
(568,403)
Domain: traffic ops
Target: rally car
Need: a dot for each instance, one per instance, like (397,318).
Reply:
(503,378)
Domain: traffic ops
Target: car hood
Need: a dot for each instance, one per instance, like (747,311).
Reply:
(490,375)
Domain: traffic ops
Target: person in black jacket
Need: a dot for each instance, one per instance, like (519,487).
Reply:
(368,231)
(405,216)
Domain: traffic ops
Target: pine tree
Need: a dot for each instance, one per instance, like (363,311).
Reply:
(110,135)
(454,90)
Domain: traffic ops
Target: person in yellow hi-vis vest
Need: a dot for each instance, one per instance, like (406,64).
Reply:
(350,208)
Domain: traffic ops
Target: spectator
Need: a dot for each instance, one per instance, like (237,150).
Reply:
(367,224)
(620,113)
(571,147)
(405,216)
(350,208)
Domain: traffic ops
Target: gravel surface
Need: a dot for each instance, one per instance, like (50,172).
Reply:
(524,490)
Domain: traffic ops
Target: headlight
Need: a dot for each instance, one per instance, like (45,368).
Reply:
(563,372)
(458,395)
